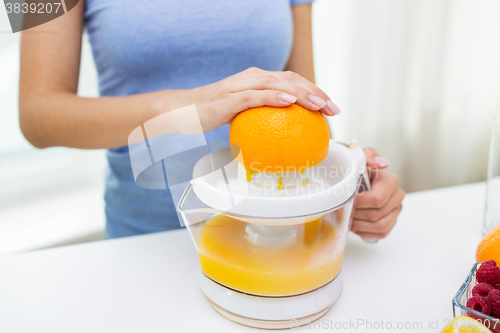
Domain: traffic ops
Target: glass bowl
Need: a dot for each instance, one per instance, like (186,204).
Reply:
(460,300)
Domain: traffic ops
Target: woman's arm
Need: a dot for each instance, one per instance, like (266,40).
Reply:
(51,114)
(301,58)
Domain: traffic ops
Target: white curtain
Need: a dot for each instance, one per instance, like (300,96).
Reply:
(419,80)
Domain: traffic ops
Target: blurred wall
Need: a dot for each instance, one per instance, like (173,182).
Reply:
(52,196)
(419,80)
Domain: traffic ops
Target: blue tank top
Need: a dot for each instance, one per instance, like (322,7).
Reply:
(146,46)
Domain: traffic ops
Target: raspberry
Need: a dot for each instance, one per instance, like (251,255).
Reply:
(489,274)
(482,289)
(479,304)
(494,300)
(489,262)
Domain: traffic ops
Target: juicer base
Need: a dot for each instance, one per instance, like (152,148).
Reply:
(269,324)
(271,312)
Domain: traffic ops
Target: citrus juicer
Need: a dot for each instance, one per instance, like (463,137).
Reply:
(271,245)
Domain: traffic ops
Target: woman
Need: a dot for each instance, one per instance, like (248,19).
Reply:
(224,56)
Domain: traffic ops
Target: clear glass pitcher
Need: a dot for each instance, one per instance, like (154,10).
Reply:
(268,257)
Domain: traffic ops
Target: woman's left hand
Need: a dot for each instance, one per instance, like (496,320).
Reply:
(377,210)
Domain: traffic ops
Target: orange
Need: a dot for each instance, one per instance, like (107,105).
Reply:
(276,139)
(489,247)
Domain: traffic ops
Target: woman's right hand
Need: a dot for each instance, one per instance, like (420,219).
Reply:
(219,102)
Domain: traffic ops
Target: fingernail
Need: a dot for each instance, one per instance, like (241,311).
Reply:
(332,107)
(382,162)
(317,101)
(286,98)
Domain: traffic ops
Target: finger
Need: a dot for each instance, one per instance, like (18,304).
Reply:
(373,214)
(383,226)
(367,235)
(373,159)
(254,98)
(383,186)
(270,81)
(317,96)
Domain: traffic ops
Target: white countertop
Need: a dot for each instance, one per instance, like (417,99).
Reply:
(150,283)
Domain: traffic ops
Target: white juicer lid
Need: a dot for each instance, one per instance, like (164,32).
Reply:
(339,173)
